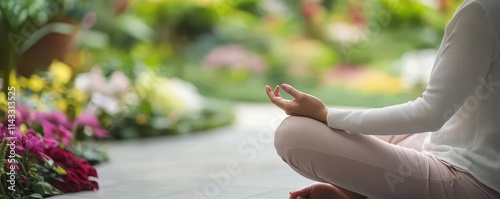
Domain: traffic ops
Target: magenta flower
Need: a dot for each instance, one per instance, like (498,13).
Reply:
(65,135)
(16,137)
(33,143)
(23,113)
(50,142)
(100,133)
(91,121)
(3,131)
(48,129)
(51,130)
(61,119)
(16,121)
(55,117)
(86,119)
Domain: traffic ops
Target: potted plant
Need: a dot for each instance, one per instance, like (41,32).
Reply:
(28,28)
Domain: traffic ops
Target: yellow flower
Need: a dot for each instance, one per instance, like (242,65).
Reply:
(3,101)
(62,72)
(61,104)
(23,128)
(77,95)
(35,83)
(376,82)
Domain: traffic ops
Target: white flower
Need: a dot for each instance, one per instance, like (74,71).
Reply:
(110,104)
(188,93)
(169,96)
(118,84)
(105,95)
(92,81)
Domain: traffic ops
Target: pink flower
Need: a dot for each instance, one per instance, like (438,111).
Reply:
(65,135)
(50,142)
(3,131)
(234,56)
(16,137)
(9,122)
(55,117)
(60,118)
(23,113)
(86,119)
(91,121)
(50,130)
(33,143)
(100,133)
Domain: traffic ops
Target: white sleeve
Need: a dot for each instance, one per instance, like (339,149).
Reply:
(468,49)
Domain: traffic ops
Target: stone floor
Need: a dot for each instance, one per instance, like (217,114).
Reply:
(228,163)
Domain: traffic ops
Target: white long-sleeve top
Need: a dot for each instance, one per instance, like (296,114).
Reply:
(461,104)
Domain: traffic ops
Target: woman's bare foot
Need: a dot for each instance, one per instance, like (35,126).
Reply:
(319,191)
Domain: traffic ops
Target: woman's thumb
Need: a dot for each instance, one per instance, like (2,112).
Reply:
(302,192)
(291,90)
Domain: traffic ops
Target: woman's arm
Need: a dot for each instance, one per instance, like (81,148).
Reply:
(459,76)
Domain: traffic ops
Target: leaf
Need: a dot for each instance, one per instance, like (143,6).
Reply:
(35,195)
(49,163)
(60,170)
(44,188)
(37,188)
(3,151)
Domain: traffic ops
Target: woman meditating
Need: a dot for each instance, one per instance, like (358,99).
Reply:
(445,144)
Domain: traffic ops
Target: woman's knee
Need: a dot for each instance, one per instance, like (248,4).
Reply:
(292,132)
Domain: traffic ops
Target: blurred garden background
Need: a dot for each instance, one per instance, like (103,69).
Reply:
(123,69)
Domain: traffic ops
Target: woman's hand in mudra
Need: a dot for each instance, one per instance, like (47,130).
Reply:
(303,104)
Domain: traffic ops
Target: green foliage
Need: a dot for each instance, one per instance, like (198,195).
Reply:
(3,152)
(144,120)
(18,14)
(88,150)
(38,173)
(185,32)
(21,25)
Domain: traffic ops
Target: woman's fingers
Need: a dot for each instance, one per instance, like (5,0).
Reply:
(277,91)
(277,100)
(292,91)
(270,93)
(302,192)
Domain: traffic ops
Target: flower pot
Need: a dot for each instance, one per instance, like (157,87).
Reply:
(51,46)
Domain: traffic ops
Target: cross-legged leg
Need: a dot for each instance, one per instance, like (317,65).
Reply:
(412,141)
(366,165)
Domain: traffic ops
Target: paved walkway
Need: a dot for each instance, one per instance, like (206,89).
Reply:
(229,163)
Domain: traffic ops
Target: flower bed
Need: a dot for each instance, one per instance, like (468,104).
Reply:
(41,156)
(52,122)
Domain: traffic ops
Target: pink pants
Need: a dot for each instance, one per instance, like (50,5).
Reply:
(382,167)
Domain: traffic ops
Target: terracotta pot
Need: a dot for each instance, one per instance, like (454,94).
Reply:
(51,46)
